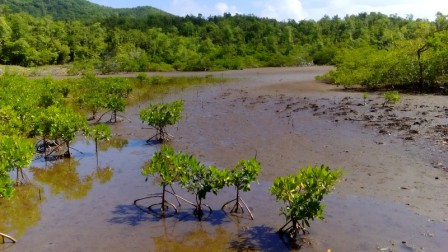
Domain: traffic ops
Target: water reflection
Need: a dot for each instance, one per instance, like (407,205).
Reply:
(63,178)
(22,210)
(115,142)
(199,239)
(103,175)
(262,238)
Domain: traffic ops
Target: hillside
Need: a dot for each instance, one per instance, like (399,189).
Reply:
(75,9)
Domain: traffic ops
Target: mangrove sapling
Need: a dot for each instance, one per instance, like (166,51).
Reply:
(142,79)
(98,132)
(58,125)
(168,166)
(6,186)
(364,97)
(117,90)
(199,180)
(240,176)
(303,194)
(16,153)
(391,97)
(159,116)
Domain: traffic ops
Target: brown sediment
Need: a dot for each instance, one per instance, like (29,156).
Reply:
(392,197)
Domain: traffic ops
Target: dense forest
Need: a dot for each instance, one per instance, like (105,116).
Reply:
(74,9)
(371,49)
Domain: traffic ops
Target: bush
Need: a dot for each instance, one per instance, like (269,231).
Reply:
(160,115)
(303,194)
(391,97)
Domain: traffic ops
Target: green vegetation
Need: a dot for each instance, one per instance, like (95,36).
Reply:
(406,54)
(16,153)
(167,165)
(364,97)
(178,167)
(52,112)
(240,176)
(199,180)
(95,94)
(303,194)
(98,132)
(159,116)
(369,49)
(391,97)
(74,9)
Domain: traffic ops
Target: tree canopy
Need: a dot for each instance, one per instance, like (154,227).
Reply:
(370,49)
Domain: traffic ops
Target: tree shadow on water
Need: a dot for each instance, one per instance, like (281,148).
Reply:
(132,215)
(214,217)
(262,238)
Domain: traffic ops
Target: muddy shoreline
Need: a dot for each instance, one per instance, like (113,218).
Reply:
(392,198)
(395,152)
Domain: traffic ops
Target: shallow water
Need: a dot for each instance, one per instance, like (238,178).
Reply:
(88,207)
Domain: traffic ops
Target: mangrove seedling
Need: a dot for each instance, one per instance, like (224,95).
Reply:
(16,153)
(303,194)
(98,132)
(58,127)
(200,180)
(391,97)
(240,176)
(159,116)
(168,166)
(364,97)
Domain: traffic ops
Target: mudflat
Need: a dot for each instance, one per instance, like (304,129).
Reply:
(393,154)
(393,196)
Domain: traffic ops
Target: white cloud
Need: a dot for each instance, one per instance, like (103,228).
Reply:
(281,9)
(221,8)
(291,9)
(418,8)
(187,7)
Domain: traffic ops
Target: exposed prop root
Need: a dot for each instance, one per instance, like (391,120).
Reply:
(164,204)
(293,230)
(237,207)
(7,237)
(198,211)
(161,136)
(53,149)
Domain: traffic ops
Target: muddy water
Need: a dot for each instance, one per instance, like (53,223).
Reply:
(86,203)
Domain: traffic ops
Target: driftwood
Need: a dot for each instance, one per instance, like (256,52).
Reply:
(5,236)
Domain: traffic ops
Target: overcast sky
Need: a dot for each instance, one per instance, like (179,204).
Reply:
(283,10)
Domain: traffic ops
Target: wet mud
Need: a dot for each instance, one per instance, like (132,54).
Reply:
(392,198)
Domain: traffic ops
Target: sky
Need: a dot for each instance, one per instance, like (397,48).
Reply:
(283,10)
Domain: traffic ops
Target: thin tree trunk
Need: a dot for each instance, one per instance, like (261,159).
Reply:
(420,65)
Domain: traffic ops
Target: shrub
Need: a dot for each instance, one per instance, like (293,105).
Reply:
(391,97)
(303,194)
(160,115)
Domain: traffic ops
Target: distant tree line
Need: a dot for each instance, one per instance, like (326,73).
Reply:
(371,49)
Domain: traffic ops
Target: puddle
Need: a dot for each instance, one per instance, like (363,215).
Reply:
(77,205)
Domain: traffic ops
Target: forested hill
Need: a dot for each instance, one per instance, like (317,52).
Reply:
(370,49)
(75,9)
